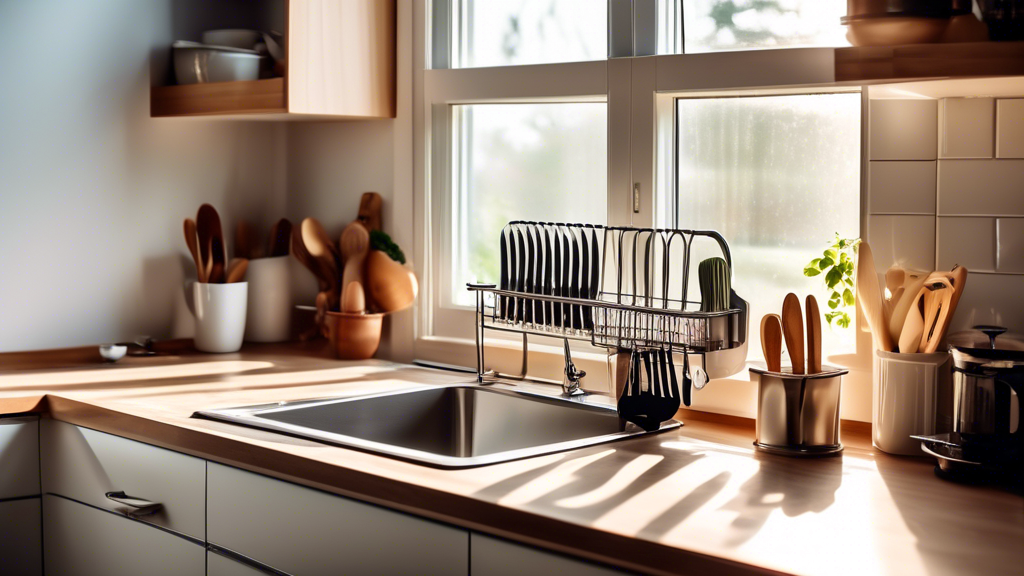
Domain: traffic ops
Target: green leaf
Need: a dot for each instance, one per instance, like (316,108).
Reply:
(811,271)
(849,282)
(843,257)
(844,321)
(848,298)
(833,304)
(824,263)
(833,278)
(832,254)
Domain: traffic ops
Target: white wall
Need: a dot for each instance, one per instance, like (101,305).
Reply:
(947,187)
(93,191)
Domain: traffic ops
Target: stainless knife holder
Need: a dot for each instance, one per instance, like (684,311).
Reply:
(617,288)
(798,414)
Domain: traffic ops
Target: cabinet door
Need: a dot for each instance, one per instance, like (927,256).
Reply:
(494,557)
(19,457)
(84,465)
(79,539)
(21,551)
(307,532)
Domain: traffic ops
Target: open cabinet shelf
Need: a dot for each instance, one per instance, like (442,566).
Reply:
(340,65)
(870,64)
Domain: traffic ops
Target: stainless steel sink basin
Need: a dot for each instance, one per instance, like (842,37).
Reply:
(453,426)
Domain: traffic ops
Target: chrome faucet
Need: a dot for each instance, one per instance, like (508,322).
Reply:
(573,375)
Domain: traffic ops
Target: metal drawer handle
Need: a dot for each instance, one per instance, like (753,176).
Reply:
(138,506)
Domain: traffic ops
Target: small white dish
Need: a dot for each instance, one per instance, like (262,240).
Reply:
(199,64)
(113,352)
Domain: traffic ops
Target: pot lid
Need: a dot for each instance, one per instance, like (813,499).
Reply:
(987,346)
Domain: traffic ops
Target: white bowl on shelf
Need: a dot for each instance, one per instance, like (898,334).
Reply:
(196,63)
(233,37)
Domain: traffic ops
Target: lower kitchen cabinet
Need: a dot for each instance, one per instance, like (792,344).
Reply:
(81,540)
(21,551)
(494,557)
(217,565)
(306,532)
(19,457)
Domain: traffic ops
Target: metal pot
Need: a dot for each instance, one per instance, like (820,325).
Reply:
(988,389)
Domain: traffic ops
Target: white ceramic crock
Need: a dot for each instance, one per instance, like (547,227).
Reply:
(220,311)
(270,300)
(912,397)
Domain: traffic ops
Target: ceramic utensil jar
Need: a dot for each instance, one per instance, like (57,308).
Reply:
(219,310)
(912,396)
(270,300)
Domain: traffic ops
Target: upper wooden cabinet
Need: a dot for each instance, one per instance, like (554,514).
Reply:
(340,65)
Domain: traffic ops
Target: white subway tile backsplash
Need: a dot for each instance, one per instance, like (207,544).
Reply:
(902,187)
(1010,245)
(969,242)
(990,299)
(1010,128)
(966,127)
(905,240)
(981,187)
(903,129)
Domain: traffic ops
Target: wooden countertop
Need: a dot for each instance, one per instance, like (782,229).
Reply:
(691,500)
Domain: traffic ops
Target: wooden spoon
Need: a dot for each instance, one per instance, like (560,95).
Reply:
(280,234)
(193,246)
(245,240)
(369,211)
(354,244)
(936,301)
(771,341)
(236,270)
(900,310)
(793,331)
(353,298)
(869,298)
(813,335)
(894,278)
(211,239)
(307,259)
(320,247)
(913,326)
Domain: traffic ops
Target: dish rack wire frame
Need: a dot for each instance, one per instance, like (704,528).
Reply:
(652,323)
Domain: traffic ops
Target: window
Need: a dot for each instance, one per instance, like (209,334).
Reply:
(713,25)
(543,162)
(513,32)
(778,176)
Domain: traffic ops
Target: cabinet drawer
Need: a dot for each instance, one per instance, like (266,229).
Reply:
(494,557)
(84,465)
(21,551)
(78,539)
(303,531)
(19,455)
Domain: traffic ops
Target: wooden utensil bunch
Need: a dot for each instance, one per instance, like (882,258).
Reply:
(352,278)
(916,313)
(204,237)
(247,244)
(790,327)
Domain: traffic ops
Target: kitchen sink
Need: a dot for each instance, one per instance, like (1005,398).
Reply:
(455,426)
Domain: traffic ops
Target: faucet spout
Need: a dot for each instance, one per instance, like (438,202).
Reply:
(573,375)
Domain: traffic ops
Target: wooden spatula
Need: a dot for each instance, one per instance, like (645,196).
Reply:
(869,298)
(813,335)
(793,331)
(913,326)
(771,341)
(899,312)
(369,210)
(193,246)
(237,269)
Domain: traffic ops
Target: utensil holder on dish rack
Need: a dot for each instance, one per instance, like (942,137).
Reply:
(618,288)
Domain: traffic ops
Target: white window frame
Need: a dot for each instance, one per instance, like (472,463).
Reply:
(640,92)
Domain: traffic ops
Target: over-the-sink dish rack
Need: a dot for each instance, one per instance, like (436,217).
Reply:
(619,288)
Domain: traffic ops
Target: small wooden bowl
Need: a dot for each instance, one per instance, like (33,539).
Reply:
(353,336)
